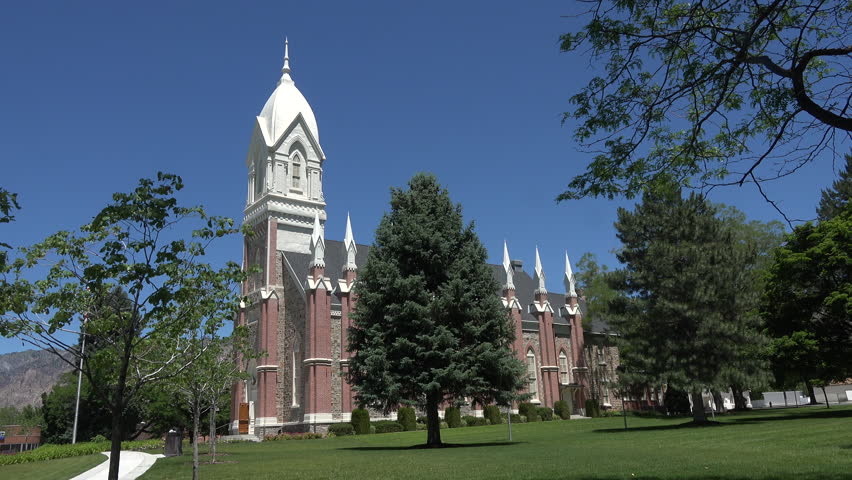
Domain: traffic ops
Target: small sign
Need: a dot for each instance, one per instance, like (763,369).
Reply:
(2,436)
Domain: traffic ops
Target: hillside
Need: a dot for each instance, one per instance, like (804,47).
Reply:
(24,376)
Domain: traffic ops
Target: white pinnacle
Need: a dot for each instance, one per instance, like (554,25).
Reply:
(507,266)
(349,247)
(317,243)
(570,283)
(285,70)
(539,274)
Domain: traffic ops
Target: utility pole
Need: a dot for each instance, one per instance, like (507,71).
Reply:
(79,379)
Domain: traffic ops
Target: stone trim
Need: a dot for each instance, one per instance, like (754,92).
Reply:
(550,368)
(317,361)
(319,418)
(266,368)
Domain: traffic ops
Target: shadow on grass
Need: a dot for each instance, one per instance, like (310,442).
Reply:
(735,419)
(428,447)
(808,476)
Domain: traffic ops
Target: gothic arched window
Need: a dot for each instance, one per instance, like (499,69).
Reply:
(532,377)
(563,368)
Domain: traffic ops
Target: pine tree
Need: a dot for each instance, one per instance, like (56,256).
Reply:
(835,199)
(429,326)
(677,315)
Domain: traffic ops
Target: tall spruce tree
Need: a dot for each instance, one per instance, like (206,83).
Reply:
(835,199)
(429,326)
(679,297)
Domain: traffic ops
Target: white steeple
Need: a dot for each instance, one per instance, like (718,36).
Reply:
(570,283)
(285,70)
(317,244)
(507,266)
(539,274)
(349,247)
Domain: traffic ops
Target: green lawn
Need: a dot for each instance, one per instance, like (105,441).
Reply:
(64,468)
(801,444)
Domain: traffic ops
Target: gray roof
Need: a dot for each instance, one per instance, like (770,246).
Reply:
(335,258)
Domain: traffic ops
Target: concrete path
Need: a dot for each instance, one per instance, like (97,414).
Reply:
(132,465)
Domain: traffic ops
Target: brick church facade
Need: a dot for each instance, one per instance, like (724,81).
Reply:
(298,304)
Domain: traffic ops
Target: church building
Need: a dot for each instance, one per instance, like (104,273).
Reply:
(299,302)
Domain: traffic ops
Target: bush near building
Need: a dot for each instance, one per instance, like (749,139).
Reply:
(360,421)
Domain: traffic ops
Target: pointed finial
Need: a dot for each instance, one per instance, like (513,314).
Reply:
(570,283)
(317,243)
(349,247)
(285,70)
(507,266)
(539,273)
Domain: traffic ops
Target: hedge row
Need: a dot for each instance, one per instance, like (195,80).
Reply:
(387,426)
(341,429)
(52,452)
(294,436)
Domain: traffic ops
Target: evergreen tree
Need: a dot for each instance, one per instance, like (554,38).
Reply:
(678,313)
(429,326)
(835,199)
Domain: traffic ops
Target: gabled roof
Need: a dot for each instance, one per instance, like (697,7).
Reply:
(335,259)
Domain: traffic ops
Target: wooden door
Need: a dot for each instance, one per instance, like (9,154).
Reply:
(244,419)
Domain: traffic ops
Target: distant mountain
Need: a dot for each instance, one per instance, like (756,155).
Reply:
(24,376)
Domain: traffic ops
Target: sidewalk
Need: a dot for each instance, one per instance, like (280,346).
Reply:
(132,466)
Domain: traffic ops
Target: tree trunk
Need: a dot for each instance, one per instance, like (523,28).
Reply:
(811,392)
(117,412)
(718,401)
(433,423)
(698,415)
(196,414)
(785,398)
(739,398)
(825,395)
(212,447)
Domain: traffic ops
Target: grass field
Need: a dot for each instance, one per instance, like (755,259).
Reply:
(802,444)
(62,468)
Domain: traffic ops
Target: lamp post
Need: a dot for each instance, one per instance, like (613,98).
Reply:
(79,379)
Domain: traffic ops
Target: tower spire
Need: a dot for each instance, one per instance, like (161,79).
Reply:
(285,70)
(539,274)
(570,283)
(507,266)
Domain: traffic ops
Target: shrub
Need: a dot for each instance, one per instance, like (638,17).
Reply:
(340,429)
(406,417)
(562,410)
(452,415)
(472,421)
(517,418)
(387,426)
(421,426)
(593,408)
(522,419)
(463,423)
(99,438)
(676,402)
(546,413)
(372,429)
(52,452)
(443,425)
(525,409)
(492,413)
(360,421)
(422,419)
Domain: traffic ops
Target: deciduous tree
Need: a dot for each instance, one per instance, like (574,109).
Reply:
(709,93)
(136,243)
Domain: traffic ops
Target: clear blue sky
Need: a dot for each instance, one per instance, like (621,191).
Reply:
(98,94)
